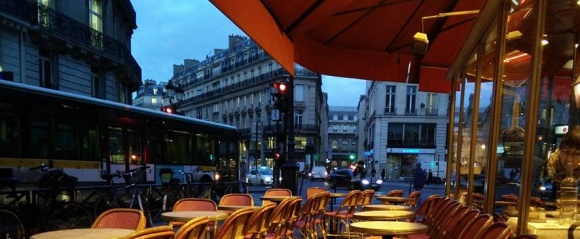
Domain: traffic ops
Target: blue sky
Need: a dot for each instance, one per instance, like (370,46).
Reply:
(170,31)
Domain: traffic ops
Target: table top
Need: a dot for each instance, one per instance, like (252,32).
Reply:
(185,216)
(86,233)
(394,199)
(277,198)
(550,229)
(388,207)
(388,227)
(234,208)
(383,215)
(337,195)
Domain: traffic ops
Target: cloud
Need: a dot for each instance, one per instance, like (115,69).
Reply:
(170,31)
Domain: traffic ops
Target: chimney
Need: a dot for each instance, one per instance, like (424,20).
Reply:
(189,63)
(177,69)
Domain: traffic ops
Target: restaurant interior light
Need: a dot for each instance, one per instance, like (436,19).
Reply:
(420,41)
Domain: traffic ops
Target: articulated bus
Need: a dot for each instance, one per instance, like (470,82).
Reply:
(86,136)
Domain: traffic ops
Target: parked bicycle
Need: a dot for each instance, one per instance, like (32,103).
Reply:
(131,195)
(45,208)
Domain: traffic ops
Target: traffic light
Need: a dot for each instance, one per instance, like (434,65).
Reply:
(168,109)
(279,90)
(276,156)
(351,157)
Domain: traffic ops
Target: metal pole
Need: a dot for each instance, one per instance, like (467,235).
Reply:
(438,165)
(256,145)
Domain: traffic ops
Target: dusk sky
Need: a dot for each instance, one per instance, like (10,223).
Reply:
(170,31)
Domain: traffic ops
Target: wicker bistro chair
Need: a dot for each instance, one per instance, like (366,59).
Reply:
(314,190)
(343,214)
(425,208)
(291,218)
(195,228)
(306,217)
(278,219)
(462,222)
(193,204)
(276,192)
(233,227)
(395,193)
(415,195)
(365,198)
(259,222)
(476,226)
(450,222)
(497,230)
(123,218)
(324,198)
(160,232)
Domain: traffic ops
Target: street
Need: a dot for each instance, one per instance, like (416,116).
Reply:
(258,191)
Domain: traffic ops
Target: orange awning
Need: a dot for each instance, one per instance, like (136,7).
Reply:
(367,39)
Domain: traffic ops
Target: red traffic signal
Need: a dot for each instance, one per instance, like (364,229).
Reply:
(280,87)
(280,90)
(276,155)
(167,109)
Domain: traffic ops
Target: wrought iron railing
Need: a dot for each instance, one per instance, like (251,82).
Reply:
(63,26)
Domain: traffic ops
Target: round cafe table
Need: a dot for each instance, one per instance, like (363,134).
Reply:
(235,208)
(85,233)
(387,207)
(333,197)
(185,216)
(393,200)
(277,199)
(388,229)
(382,215)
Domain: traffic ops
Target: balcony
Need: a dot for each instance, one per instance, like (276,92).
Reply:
(390,111)
(56,31)
(412,111)
(431,112)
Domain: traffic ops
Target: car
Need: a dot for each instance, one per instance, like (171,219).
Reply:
(260,176)
(318,173)
(345,178)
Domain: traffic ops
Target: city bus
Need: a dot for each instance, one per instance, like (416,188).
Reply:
(87,136)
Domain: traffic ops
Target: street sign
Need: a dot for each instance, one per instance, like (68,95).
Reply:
(275,116)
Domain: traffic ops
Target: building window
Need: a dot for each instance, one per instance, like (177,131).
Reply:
(96,22)
(154,101)
(411,100)
(299,93)
(122,93)
(390,100)
(411,135)
(335,128)
(97,87)
(345,117)
(345,128)
(431,104)
(335,117)
(45,72)
(298,115)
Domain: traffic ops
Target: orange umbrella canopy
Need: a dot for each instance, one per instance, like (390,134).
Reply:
(369,39)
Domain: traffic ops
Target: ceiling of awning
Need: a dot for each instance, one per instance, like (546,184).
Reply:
(368,39)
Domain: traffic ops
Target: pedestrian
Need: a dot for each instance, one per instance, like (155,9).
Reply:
(419,177)
(430,177)
(373,172)
(383,174)
(243,174)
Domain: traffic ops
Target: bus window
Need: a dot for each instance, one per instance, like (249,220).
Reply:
(116,145)
(134,143)
(9,136)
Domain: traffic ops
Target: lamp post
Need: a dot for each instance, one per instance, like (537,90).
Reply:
(256,152)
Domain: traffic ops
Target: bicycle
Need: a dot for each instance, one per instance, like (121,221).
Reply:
(128,196)
(62,214)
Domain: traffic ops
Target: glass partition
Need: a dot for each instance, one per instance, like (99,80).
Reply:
(515,102)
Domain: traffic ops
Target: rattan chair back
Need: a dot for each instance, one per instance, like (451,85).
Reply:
(194,229)
(123,218)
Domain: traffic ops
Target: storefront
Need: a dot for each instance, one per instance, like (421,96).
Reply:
(515,81)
